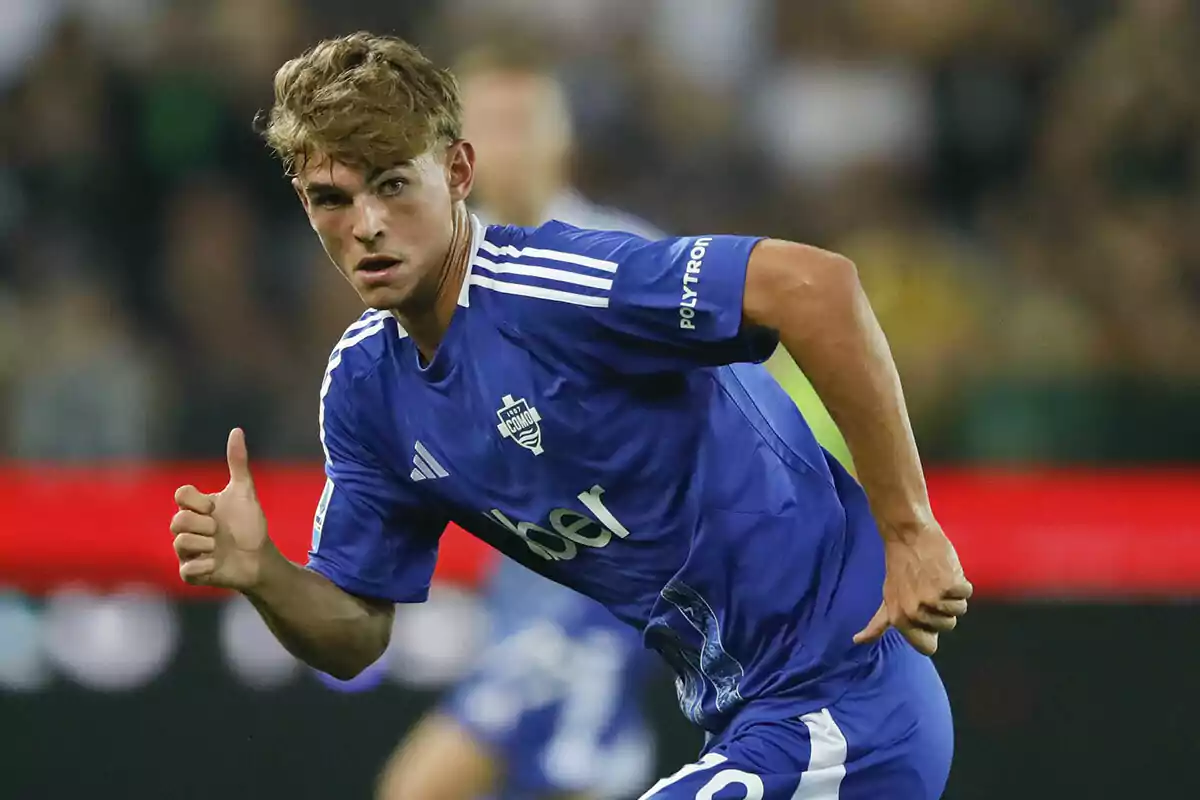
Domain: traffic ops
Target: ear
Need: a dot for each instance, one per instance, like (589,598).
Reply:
(460,169)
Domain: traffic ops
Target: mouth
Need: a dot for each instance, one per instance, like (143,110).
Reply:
(377,268)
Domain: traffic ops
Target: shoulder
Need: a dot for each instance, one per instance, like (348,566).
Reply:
(351,363)
(543,277)
(546,287)
(563,243)
(360,349)
(546,271)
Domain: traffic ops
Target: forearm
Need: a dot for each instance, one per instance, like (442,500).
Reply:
(827,325)
(318,622)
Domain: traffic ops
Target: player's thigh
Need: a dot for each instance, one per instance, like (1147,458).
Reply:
(730,780)
(899,730)
(817,771)
(867,746)
(717,776)
(439,760)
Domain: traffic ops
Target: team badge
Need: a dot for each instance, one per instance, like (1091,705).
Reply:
(519,422)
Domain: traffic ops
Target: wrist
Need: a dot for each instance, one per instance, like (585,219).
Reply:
(270,570)
(907,526)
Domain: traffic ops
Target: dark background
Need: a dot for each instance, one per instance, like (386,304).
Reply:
(1017,181)
(1052,700)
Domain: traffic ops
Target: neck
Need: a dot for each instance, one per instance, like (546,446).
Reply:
(428,328)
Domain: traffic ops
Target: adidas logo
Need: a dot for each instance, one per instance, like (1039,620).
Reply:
(426,466)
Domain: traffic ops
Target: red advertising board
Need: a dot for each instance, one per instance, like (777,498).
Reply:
(1041,533)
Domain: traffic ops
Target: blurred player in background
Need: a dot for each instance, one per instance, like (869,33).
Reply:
(553,709)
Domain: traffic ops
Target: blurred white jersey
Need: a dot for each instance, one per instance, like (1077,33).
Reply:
(571,207)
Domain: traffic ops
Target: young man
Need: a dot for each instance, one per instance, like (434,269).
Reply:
(590,404)
(553,709)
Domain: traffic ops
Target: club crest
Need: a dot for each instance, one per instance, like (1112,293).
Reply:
(519,422)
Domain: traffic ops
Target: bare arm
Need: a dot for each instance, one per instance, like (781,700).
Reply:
(319,623)
(221,540)
(814,300)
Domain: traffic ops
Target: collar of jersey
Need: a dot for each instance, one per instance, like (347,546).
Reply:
(477,233)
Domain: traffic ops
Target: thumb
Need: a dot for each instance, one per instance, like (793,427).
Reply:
(239,460)
(875,628)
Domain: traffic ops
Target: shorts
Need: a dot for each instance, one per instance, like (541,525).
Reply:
(889,737)
(557,693)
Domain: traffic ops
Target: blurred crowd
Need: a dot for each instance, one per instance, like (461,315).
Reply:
(1016,179)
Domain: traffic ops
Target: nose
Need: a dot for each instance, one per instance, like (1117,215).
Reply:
(369,219)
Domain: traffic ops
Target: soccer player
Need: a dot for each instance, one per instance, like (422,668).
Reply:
(591,404)
(554,706)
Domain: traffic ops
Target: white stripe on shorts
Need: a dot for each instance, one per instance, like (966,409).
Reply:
(827,760)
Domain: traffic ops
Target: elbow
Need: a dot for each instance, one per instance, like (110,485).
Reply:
(344,672)
(790,283)
(352,664)
(821,274)
(372,644)
(844,270)
(349,670)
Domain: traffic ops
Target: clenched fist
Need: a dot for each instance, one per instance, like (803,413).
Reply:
(924,592)
(221,539)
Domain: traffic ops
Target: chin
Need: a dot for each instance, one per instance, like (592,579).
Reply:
(405,300)
(384,298)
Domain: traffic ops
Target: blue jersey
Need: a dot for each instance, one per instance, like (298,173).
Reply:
(598,411)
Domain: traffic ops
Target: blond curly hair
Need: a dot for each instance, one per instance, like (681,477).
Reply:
(364,100)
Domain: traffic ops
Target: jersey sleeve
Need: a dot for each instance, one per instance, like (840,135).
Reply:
(372,535)
(672,304)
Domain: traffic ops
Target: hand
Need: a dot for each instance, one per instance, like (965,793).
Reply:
(924,591)
(221,538)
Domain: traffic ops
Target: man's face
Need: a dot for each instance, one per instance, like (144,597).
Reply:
(518,123)
(388,230)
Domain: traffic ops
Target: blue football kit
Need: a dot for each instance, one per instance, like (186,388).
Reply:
(598,412)
(557,694)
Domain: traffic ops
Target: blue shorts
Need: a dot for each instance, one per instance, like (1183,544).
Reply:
(557,693)
(890,737)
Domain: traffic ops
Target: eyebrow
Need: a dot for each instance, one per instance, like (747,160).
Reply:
(372,176)
(323,188)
